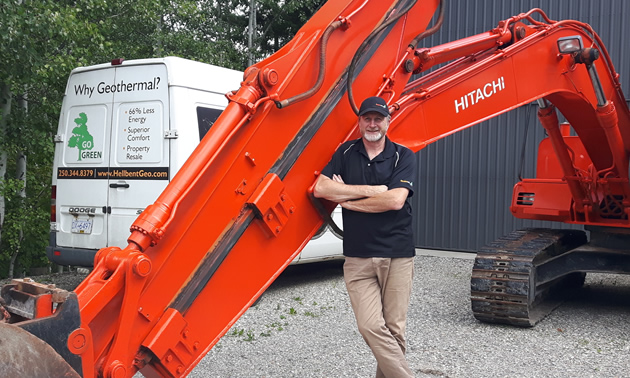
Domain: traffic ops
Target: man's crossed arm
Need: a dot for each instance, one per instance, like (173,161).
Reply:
(362,198)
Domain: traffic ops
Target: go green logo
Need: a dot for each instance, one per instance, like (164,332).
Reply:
(81,138)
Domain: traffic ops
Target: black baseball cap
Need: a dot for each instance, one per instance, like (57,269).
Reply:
(374,104)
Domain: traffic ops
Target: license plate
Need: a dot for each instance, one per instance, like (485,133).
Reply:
(81,226)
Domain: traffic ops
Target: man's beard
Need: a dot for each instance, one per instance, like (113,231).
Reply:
(373,137)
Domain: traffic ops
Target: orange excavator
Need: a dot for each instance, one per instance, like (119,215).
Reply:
(239,210)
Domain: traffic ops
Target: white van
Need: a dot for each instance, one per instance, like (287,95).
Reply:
(125,130)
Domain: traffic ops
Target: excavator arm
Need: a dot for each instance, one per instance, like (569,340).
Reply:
(239,210)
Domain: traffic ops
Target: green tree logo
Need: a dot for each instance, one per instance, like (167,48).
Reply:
(81,138)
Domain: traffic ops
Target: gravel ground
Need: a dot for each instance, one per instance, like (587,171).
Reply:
(304,327)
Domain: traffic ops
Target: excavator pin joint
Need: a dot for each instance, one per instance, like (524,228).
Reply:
(270,77)
(116,370)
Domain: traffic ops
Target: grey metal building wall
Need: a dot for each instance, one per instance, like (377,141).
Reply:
(465,181)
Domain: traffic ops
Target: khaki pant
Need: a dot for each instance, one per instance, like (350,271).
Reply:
(379,290)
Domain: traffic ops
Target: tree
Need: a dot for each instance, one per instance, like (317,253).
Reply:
(219,34)
(37,43)
(280,21)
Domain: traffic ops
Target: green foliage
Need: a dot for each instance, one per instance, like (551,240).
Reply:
(220,28)
(279,21)
(27,219)
(41,41)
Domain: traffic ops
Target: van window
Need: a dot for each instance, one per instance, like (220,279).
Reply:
(205,119)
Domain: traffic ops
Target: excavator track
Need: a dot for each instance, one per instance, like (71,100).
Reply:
(504,288)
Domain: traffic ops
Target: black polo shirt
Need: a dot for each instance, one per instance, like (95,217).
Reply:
(387,234)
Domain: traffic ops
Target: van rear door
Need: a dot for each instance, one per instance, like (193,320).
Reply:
(139,151)
(85,132)
(115,159)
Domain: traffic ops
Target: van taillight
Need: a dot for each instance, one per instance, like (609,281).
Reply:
(117,62)
(53,203)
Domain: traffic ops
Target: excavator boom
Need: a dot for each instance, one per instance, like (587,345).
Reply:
(516,64)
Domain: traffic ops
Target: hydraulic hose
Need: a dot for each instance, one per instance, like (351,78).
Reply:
(322,69)
(372,35)
(430,31)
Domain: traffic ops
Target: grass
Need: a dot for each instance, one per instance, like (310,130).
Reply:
(312,310)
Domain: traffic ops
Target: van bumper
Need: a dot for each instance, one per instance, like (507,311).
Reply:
(67,255)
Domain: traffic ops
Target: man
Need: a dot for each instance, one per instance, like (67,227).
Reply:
(371,178)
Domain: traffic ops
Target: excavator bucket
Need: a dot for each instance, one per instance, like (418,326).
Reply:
(36,321)
(24,355)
